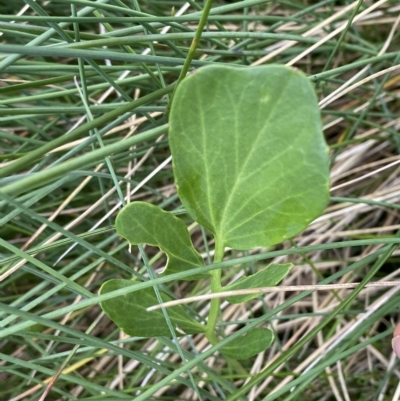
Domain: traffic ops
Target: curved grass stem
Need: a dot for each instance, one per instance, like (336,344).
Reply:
(193,47)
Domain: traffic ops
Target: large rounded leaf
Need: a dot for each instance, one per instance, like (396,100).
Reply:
(249,157)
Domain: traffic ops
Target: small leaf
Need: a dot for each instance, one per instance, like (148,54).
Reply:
(250,160)
(143,223)
(129,313)
(252,343)
(267,277)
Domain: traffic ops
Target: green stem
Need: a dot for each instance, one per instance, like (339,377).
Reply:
(215,303)
(216,306)
(193,47)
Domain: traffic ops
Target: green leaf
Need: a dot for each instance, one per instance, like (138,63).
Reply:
(143,223)
(252,343)
(267,277)
(250,161)
(129,313)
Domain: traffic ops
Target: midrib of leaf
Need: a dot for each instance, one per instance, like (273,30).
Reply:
(205,153)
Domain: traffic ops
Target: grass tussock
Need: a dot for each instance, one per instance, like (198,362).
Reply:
(84,91)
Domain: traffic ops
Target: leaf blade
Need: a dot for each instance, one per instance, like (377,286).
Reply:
(252,343)
(249,157)
(130,315)
(141,222)
(267,277)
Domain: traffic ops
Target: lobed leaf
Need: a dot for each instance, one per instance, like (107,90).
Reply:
(250,160)
(144,223)
(129,312)
(267,277)
(252,343)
